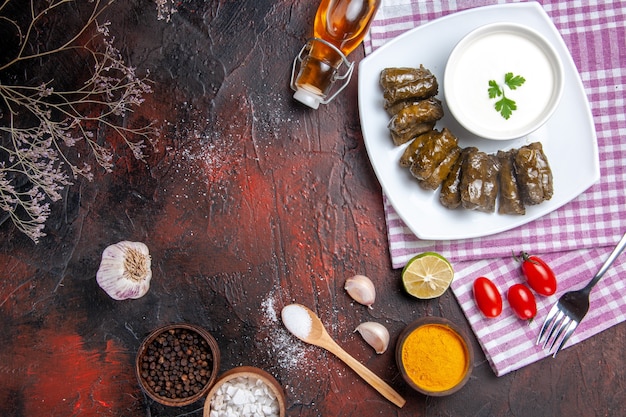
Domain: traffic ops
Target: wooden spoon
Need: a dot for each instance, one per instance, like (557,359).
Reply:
(318,336)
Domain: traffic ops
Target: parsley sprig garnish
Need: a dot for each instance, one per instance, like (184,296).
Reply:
(505,105)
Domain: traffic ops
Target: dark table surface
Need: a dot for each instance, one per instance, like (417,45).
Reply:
(248,202)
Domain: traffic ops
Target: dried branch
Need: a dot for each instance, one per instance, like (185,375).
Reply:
(48,126)
(165,9)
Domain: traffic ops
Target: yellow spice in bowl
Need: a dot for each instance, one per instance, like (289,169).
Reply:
(435,357)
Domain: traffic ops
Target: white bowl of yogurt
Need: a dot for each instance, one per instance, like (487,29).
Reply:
(503,81)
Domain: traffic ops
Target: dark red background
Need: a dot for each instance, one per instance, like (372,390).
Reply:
(249,202)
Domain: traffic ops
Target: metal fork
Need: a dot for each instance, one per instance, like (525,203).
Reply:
(568,312)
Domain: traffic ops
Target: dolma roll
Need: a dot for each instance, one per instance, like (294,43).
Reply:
(402,84)
(533,174)
(509,200)
(408,156)
(450,194)
(432,153)
(394,77)
(425,111)
(395,108)
(442,170)
(411,132)
(479,182)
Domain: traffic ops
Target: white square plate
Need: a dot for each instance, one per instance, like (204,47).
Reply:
(568,138)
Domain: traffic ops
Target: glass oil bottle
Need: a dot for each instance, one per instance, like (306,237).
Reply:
(340,26)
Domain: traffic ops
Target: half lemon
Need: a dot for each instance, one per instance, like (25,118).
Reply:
(427,275)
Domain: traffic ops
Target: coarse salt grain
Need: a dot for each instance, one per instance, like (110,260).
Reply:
(244,397)
(297,320)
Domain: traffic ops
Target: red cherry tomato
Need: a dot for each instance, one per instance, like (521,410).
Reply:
(522,301)
(487,297)
(538,274)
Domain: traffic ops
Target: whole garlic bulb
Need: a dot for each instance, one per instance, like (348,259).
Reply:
(375,334)
(125,270)
(361,289)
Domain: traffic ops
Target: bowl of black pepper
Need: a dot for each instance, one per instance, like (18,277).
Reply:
(177,364)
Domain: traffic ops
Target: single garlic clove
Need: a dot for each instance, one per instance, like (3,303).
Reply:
(375,334)
(125,270)
(361,289)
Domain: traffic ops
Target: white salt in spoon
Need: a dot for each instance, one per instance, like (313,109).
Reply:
(306,326)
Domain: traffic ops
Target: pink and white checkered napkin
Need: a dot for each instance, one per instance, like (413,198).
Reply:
(575,239)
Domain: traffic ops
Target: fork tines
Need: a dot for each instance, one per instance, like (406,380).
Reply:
(557,326)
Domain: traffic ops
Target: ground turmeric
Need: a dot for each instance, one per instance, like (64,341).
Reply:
(435,357)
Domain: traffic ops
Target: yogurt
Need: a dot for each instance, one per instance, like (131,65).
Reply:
(488,54)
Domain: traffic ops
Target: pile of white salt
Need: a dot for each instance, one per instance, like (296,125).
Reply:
(244,397)
(297,320)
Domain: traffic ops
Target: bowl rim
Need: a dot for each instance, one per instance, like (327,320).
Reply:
(215,352)
(538,39)
(428,320)
(248,371)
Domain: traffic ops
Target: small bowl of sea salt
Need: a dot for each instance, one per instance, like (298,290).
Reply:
(245,391)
